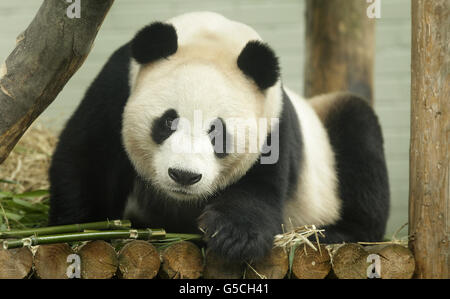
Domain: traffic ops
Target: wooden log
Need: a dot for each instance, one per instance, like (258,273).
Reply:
(311,264)
(396,261)
(50,261)
(218,268)
(182,260)
(350,262)
(15,263)
(429,188)
(98,260)
(46,56)
(139,260)
(340,47)
(273,266)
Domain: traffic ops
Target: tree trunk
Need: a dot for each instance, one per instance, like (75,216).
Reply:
(139,260)
(46,56)
(98,260)
(15,263)
(182,260)
(273,266)
(350,262)
(218,268)
(340,46)
(50,261)
(396,261)
(311,264)
(429,195)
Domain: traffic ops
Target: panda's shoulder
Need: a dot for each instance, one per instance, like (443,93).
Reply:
(339,103)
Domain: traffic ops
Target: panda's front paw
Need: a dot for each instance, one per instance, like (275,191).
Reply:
(234,238)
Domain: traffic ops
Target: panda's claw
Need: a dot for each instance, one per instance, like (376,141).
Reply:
(234,240)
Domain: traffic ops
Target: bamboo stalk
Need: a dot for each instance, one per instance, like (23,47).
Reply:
(138,234)
(71,228)
(184,237)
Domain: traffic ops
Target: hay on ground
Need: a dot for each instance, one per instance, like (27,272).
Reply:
(28,163)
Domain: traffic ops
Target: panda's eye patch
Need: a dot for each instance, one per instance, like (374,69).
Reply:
(169,123)
(218,134)
(164,126)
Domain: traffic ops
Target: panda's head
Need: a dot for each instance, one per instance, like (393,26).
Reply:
(205,93)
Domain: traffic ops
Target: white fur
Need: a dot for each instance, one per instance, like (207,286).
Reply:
(133,73)
(202,76)
(316,200)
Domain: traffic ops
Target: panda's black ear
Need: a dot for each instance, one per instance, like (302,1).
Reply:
(258,61)
(155,41)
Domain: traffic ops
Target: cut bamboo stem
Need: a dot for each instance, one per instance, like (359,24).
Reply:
(50,261)
(15,263)
(273,266)
(182,260)
(71,228)
(98,260)
(139,260)
(311,264)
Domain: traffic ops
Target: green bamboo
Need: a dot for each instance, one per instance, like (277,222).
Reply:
(62,229)
(183,236)
(138,234)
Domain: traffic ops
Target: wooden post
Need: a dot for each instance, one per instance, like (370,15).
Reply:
(340,47)
(429,194)
(46,56)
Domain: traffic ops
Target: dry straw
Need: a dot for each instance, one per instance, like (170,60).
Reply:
(28,163)
(299,236)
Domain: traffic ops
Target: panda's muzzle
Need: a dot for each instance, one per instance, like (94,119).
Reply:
(185,178)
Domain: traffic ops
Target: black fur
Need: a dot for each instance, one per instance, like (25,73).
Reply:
(156,41)
(244,217)
(357,141)
(91,175)
(241,221)
(164,126)
(258,61)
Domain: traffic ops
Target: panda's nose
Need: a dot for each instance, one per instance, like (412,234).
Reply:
(183,177)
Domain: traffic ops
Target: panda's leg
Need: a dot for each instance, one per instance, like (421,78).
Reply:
(241,223)
(70,197)
(356,138)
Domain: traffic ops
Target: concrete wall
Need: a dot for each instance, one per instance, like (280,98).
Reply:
(281,24)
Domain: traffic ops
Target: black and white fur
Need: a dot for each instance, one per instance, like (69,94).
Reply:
(114,156)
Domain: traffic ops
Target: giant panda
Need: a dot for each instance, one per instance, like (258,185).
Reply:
(155,140)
